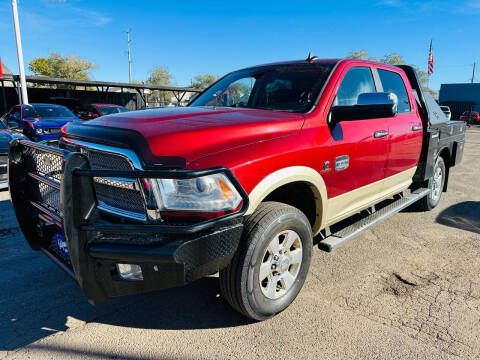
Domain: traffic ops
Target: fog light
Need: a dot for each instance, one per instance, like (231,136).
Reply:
(130,271)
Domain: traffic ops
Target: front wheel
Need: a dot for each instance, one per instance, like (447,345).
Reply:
(271,265)
(435,184)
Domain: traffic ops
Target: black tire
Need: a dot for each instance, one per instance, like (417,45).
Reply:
(239,282)
(430,201)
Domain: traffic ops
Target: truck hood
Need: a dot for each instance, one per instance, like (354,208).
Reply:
(195,132)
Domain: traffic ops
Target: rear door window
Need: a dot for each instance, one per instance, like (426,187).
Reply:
(392,82)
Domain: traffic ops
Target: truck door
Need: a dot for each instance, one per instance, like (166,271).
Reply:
(405,129)
(359,147)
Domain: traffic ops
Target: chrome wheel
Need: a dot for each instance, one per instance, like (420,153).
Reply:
(281,264)
(437,184)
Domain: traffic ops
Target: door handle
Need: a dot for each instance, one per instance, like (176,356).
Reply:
(417,127)
(380,134)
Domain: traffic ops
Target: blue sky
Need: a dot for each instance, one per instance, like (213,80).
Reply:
(196,37)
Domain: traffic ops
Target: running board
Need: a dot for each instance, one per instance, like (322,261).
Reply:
(334,240)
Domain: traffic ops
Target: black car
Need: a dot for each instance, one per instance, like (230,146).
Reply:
(6,135)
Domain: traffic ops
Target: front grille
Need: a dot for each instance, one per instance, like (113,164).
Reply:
(51,130)
(119,196)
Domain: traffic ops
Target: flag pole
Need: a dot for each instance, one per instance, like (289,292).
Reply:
(21,69)
(430,63)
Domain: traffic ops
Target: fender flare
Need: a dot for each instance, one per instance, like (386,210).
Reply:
(289,175)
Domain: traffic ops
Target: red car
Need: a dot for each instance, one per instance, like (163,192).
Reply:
(239,182)
(93,111)
(471,117)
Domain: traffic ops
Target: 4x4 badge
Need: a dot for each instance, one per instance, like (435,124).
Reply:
(342,162)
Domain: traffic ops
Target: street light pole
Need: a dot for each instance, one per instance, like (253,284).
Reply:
(23,83)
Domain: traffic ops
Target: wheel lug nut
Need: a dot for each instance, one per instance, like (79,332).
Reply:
(274,267)
(275,257)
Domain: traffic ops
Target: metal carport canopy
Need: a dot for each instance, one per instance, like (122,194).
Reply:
(47,80)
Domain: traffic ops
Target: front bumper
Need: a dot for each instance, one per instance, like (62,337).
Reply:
(169,255)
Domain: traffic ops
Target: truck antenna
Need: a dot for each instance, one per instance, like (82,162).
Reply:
(311,57)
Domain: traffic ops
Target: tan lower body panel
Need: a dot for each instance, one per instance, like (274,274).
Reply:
(345,205)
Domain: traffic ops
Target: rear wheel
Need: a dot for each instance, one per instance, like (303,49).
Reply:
(272,262)
(435,184)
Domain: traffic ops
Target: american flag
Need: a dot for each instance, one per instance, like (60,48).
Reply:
(430,59)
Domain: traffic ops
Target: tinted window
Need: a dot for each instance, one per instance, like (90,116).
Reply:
(15,113)
(358,80)
(107,110)
(392,82)
(29,112)
(53,111)
(292,88)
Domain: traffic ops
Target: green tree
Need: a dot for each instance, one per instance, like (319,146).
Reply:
(203,81)
(68,67)
(393,59)
(160,76)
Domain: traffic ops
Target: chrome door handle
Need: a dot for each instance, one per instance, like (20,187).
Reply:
(417,127)
(380,134)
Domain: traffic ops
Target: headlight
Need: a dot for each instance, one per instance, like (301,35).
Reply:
(209,193)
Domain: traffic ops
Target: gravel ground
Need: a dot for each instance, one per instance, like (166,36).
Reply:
(409,288)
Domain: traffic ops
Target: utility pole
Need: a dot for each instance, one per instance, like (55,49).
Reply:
(129,58)
(21,69)
(473,73)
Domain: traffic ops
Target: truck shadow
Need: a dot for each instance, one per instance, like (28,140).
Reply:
(464,215)
(38,299)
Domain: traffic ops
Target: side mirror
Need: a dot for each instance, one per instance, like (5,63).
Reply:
(369,106)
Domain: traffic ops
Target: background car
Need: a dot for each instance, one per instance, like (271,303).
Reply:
(93,111)
(6,135)
(471,117)
(39,121)
(447,112)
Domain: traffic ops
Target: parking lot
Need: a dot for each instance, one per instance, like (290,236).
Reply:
(408,288)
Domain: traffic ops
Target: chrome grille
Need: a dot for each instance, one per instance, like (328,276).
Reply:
(118,196)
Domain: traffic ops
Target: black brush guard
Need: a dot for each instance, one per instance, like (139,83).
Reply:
(52,192)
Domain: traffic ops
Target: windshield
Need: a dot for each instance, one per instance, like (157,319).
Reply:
(2,125)
(107,110)
(53,111)
(292,88)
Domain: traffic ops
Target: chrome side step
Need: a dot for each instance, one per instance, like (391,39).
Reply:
(333,239)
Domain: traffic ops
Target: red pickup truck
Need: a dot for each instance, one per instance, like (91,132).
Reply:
(240,181)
